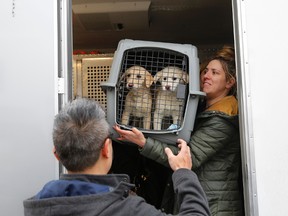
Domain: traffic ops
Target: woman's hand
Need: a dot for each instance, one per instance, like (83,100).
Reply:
(134,136)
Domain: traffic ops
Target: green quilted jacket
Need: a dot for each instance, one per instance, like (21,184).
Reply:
(216,158)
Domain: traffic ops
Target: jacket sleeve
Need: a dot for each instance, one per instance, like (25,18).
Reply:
(190,196)
(212,134)
(155,150)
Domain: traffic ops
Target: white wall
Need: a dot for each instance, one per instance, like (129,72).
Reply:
(267,46)
(28,99)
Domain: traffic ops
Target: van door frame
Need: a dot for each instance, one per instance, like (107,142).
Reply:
(243,85)
(65,51)
(245,111)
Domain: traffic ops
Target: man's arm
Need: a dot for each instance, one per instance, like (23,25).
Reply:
(190,195)
(189,192)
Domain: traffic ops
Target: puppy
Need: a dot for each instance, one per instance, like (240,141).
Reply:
(138,101)
(167,104)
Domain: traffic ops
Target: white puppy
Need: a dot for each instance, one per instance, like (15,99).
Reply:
(167,104)
(138,101)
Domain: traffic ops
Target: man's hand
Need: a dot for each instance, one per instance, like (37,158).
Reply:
(183,159)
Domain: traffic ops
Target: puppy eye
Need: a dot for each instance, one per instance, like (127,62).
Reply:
(138,76)
(174,78)
(164,78)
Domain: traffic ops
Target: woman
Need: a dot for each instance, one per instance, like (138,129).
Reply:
(214,143)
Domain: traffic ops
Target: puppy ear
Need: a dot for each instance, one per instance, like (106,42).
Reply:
(148,79)
(185,77)
(158,76)
(123,76)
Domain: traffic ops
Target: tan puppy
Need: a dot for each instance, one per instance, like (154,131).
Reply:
(138,101)
(167,104)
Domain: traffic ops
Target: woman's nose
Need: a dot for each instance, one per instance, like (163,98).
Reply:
(205,75)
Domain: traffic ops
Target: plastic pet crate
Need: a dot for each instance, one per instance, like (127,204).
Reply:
(154,86)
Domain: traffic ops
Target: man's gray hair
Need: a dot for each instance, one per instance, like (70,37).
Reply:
(79,132)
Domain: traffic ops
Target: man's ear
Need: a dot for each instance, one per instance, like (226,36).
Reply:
(55,154)
(106,148)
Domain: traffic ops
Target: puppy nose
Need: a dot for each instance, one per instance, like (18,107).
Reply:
(167,87)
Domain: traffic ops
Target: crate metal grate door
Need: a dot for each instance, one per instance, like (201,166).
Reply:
(173,100)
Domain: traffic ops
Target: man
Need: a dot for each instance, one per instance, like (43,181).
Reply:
(82,145)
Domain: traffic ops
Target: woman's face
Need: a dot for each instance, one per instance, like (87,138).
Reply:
(213,80)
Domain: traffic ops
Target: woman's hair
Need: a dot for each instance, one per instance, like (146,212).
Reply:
(79,132)
(226,56)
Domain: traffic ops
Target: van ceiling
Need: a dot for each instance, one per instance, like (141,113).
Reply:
(101,24)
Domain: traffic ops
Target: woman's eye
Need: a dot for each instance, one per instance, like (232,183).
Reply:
(128,75)
(138,76)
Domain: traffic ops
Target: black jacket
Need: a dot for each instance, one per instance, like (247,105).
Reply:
(116,201)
